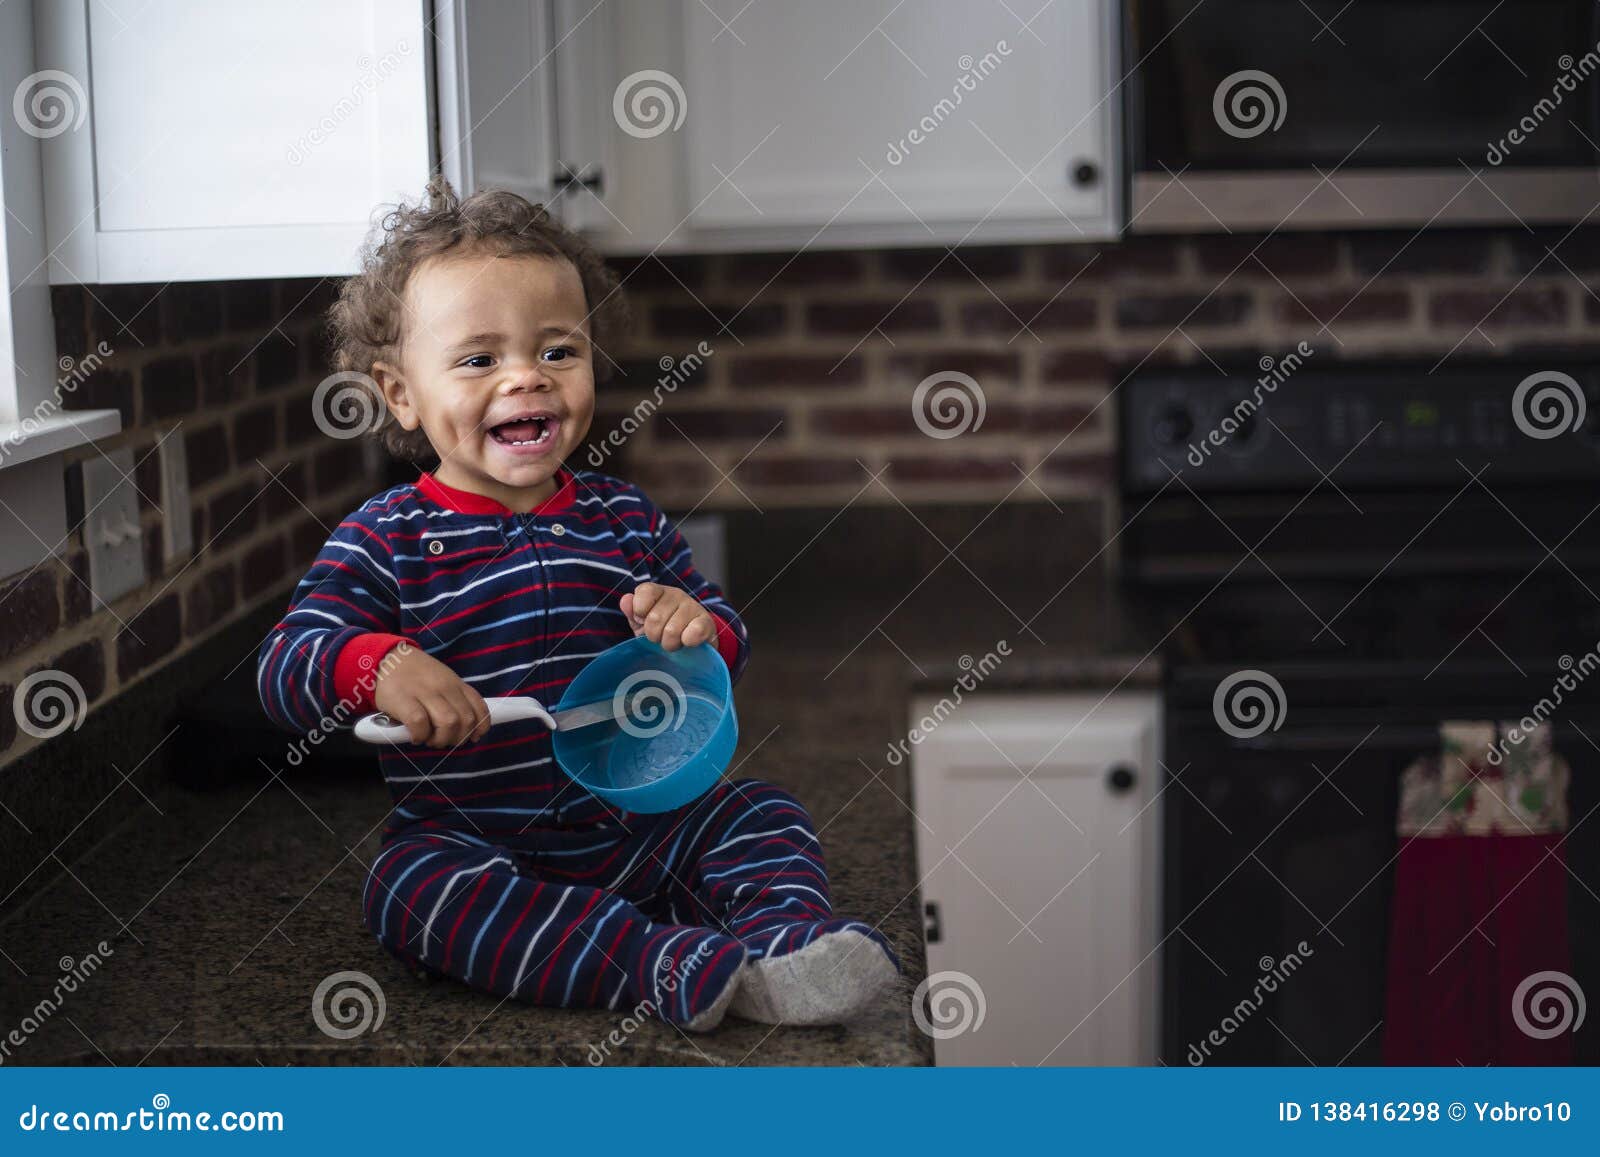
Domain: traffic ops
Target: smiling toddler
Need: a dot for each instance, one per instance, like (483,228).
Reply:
(479,327)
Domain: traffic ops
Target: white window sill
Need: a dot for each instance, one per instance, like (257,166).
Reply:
(33,438)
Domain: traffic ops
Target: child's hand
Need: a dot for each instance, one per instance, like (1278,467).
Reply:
(437,707)
(669,616)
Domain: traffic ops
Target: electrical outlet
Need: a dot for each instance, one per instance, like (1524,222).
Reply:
(111,532)
(177,527)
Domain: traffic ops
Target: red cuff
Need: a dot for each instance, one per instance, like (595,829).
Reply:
(727,641)
(355,670)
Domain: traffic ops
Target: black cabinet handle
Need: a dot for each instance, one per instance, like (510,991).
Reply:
(932,928)
(1085,174)
(1120,779)
(569,178)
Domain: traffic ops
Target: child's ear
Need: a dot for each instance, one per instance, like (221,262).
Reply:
(392,386)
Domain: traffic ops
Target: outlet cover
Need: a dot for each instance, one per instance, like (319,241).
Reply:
(111,531)
(177,527)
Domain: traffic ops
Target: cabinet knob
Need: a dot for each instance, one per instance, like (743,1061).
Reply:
(1085,174)
(570,178)
(1120,779)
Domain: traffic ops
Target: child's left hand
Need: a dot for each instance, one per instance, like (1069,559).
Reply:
(669,616)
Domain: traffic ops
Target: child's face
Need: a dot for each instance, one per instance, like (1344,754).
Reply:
(487,340)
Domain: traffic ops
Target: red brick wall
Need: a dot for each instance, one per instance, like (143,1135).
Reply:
(816,357)
(231,367)
(805,396)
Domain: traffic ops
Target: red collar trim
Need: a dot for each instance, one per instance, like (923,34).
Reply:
(470,502)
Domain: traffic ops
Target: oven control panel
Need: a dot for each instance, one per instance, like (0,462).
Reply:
(1279,424)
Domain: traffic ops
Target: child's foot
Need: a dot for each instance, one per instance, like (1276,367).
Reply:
(839,970)
(692,979)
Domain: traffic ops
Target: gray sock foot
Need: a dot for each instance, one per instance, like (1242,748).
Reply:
(833,979)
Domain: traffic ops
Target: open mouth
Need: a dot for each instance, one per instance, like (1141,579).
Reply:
(527,432)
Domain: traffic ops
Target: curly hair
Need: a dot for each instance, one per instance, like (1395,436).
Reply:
(364,323)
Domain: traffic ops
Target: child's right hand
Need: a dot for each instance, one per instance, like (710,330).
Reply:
(433,702)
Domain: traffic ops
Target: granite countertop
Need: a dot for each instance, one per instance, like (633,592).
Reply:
(226,907)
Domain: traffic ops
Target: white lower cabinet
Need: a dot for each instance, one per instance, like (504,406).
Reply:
(1038,845)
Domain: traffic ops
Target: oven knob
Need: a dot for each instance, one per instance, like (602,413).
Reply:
(1120,779)
(1173,426)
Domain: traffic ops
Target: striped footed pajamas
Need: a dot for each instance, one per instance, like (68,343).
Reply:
(496,868)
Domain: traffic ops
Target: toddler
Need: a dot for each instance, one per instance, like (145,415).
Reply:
(480,325)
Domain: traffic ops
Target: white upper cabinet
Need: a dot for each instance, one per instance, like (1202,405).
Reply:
(226,140)
(915,122)
(204,140)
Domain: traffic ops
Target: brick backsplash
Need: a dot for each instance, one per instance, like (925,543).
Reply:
(807,397)
(805,400)
(229,368)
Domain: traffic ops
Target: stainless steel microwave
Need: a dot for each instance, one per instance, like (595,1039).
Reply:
(1307,114)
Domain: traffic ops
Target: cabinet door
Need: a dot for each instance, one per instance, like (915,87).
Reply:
(933,120)
(229,140)
(497,96)
(1038,831)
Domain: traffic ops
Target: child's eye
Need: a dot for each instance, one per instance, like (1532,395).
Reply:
(479,361)
(558,353)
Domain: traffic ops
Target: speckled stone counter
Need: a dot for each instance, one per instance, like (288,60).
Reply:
(226,906)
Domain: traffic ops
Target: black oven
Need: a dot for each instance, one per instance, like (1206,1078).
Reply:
(1367,113)
(1397,549)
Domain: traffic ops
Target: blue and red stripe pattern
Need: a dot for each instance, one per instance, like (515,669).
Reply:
(516,604)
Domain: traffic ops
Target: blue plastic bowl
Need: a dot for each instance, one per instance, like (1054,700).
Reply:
(675,729)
